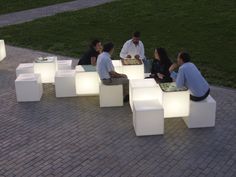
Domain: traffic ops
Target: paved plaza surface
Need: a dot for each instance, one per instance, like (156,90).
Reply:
(75,137)
(32,14)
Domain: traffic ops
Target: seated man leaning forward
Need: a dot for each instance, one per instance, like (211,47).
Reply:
(133,48)
(189,76)
(90,57)
(107,73)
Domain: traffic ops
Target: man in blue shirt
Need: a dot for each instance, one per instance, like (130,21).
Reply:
(189,76)
(107,73)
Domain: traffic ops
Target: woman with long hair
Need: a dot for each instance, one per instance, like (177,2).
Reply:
(160,66)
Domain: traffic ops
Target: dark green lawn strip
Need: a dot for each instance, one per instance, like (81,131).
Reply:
(206,29)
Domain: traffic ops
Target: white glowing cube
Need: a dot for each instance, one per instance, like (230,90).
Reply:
(118,66)
(134,71)
(176,104)
(28,87)
(144,89)
(46,69)
(65,83)
(202,113)
(148,118)
(110,95)
(2,50)
(24,68)
(87,80)
(79,68)
(64,64)
(87,83)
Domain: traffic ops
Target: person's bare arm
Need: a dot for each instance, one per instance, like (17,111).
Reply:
(173,67)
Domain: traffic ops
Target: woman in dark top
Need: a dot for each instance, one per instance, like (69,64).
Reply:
(90,57)
(160,66)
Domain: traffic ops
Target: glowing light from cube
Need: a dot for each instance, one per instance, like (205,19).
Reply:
(176,104)
(2,50)
(46,69)
(118,66)
(144,90)
(87,83)
(134,71)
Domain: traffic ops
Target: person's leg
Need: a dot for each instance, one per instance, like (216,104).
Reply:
(194,98)
(124,82)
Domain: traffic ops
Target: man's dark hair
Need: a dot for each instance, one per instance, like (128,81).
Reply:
(185,57)
(94,42)
(136,34)
(108,47)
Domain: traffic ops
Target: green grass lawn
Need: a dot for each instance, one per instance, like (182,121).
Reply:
(7,6)
(206,29)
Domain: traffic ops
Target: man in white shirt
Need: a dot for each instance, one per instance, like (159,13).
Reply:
(107,73)
(133,48)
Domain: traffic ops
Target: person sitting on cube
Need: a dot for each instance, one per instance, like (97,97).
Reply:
(107,73)
(160,66)
(189,76)
(90,57)
(134,49)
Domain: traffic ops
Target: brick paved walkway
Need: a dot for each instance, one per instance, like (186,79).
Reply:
(74,137)
(32,14)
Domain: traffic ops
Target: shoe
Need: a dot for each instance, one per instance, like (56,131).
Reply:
(126,98)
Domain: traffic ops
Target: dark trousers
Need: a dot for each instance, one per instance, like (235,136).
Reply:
(194,98)
(117,81)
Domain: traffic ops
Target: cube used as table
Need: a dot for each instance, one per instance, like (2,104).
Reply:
(2,50)
(202,113)
(24,68)
(118,66)
(65,83)
(175,103)
(28,87)
(134,71)
(148,117)
(46,69)
(110,95)
(64,64)
(144,89)
(87,80)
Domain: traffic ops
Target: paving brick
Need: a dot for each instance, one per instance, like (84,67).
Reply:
(74,137)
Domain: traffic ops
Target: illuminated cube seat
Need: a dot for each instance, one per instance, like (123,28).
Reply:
(28,87)
(24,68)
(110,95)
(64,64)
(87,80)
(143,90)
(148,117)
(65,83)
(2,50)
(176,103)
(134,71)
(202,113)
(46,69)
